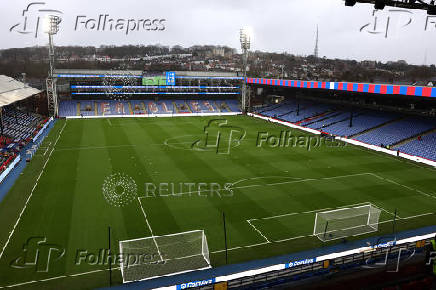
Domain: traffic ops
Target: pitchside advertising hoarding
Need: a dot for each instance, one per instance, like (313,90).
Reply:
(300,262)
(154,81)
(171,78)
(168,80)
(194,284)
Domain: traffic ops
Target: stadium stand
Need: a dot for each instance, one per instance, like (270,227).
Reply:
(69,108)
(362,122)
(19,125)
(379,128)
(290,112)
(425,147)
(395,132)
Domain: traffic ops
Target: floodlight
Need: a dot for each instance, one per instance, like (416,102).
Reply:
(51,24)
(245,37)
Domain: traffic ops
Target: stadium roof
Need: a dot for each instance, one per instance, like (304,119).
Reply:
(99,73)
(12,91)
(96,72)
(206,73)
(381,89)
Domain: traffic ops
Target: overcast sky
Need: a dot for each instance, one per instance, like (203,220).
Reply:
(278,26)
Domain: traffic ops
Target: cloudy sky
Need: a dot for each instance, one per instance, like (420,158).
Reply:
(278,26)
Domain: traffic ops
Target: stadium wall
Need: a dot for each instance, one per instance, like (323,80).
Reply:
(291,264)
(383,89)
(9,168)
(42,129)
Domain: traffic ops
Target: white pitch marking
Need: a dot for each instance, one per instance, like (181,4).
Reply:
(405,186)
(58,277)
(151,230)
(317,210)
(259,244)
(48,146)
(53,278)
(293,238)
(278,216)
(260,233)
(20,284)
(415,216)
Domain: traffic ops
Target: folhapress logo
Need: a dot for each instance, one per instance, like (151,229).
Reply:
(220,137)
(38,254)
(104,22)
(32,18)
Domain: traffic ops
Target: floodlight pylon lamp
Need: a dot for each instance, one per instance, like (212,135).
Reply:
(245,38)
(51,24)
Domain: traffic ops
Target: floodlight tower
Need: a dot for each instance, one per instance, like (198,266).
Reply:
(245,38)
(51,27)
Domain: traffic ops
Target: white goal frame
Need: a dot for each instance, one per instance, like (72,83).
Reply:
(370,226)
(155,240)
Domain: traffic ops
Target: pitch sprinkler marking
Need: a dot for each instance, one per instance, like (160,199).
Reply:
(119,189)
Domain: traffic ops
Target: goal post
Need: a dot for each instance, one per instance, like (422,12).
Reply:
(155,256)
(345,222)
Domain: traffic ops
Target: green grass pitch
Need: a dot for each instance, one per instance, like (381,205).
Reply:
(270,211)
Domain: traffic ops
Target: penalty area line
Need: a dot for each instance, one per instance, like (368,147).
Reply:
(150,229)
(260,233)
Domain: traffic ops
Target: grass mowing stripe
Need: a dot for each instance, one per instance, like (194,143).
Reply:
(150,160)
(31,193)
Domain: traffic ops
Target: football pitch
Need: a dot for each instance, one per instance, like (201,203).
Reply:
(175,181)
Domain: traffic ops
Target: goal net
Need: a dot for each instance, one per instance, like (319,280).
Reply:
(345,222)
(146,258)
